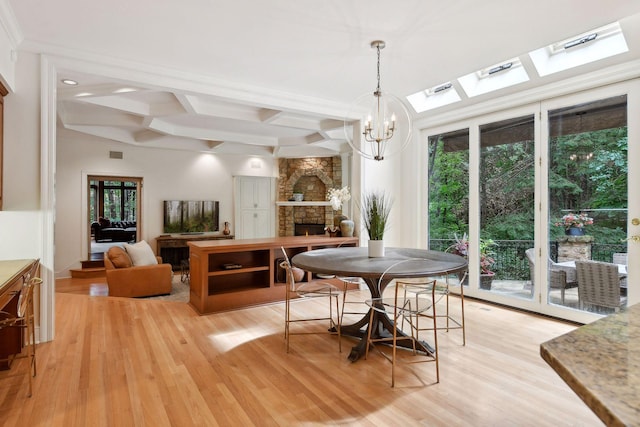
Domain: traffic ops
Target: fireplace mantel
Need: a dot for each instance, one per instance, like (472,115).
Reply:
(325,203)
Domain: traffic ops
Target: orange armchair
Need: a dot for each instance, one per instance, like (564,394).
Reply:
(136,281)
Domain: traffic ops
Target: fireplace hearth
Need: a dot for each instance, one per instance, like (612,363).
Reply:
(308,229)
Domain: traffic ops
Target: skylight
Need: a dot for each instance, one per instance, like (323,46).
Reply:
(582,49)
(498,76)
(434,97)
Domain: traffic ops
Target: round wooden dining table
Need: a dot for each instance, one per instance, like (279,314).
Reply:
(377,273)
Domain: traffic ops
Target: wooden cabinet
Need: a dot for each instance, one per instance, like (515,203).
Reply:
(11,279)
(226,275)
(173,247)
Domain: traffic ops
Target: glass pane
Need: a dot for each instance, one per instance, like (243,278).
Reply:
(130,205)
(507,185)
(112,204)
(587,201)
(449,191)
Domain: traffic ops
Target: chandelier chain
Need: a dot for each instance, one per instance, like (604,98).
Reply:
(378,49)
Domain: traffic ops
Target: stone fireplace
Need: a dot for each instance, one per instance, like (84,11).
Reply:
(312,177)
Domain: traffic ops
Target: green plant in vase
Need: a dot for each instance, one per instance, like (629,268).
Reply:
(376,207)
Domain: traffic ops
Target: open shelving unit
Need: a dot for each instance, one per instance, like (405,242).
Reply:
(229,274)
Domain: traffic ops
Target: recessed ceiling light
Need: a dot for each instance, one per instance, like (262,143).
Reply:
(70,82)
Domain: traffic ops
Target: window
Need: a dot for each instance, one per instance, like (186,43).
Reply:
(114,200)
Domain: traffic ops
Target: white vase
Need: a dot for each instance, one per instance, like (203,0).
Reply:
(376,248)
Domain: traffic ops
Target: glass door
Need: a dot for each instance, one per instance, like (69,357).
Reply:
(507,208)
(505,189)
(448,187)
(588,206)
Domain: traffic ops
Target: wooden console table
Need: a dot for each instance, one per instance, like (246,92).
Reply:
(11,274)
(232,274)
(173,247)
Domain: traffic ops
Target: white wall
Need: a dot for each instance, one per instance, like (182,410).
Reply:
(21,235)
(22,138)
(7,48)
(385,176)
(167,175)
(20,220)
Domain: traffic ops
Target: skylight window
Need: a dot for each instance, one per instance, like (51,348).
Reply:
(437,96)
(498,76)
(582,49)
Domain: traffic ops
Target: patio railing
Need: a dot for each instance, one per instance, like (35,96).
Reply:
(511,262)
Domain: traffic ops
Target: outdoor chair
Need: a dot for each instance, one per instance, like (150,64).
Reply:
(560,277)
(599,285)
(307,290)
(621,258)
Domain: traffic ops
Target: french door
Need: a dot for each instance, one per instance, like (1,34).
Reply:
(509,183)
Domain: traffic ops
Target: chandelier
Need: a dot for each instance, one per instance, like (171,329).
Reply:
(382,119)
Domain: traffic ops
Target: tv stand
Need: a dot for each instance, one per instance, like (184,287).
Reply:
(173,247)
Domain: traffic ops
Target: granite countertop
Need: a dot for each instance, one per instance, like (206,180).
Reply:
(601,363)
(11,268)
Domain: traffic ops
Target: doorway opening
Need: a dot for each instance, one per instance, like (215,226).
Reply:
(113,209)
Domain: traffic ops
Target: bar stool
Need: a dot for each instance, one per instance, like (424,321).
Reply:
(347,284)
(184,271)
(24,320)
(451,321)
(410,303)
(305,290)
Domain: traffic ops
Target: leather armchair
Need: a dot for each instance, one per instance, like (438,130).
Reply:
(140,281)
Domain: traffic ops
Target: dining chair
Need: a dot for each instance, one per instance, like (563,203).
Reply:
(309,290)
(560,277)
(24,320)
(405,306)
(599,285)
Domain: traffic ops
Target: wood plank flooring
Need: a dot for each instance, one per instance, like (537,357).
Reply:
(136,362)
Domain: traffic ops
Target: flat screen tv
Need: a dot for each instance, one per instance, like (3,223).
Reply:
(191,216)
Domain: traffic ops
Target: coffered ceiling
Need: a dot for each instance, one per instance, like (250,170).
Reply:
(275,78)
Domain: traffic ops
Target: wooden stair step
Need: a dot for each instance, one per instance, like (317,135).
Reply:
(85,273)
(93,263)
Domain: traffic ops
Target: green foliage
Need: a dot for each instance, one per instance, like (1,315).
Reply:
(449,191)
(587,171)
(517,226)
(376,207)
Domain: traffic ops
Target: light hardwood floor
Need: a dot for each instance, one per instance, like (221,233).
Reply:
(121,362)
